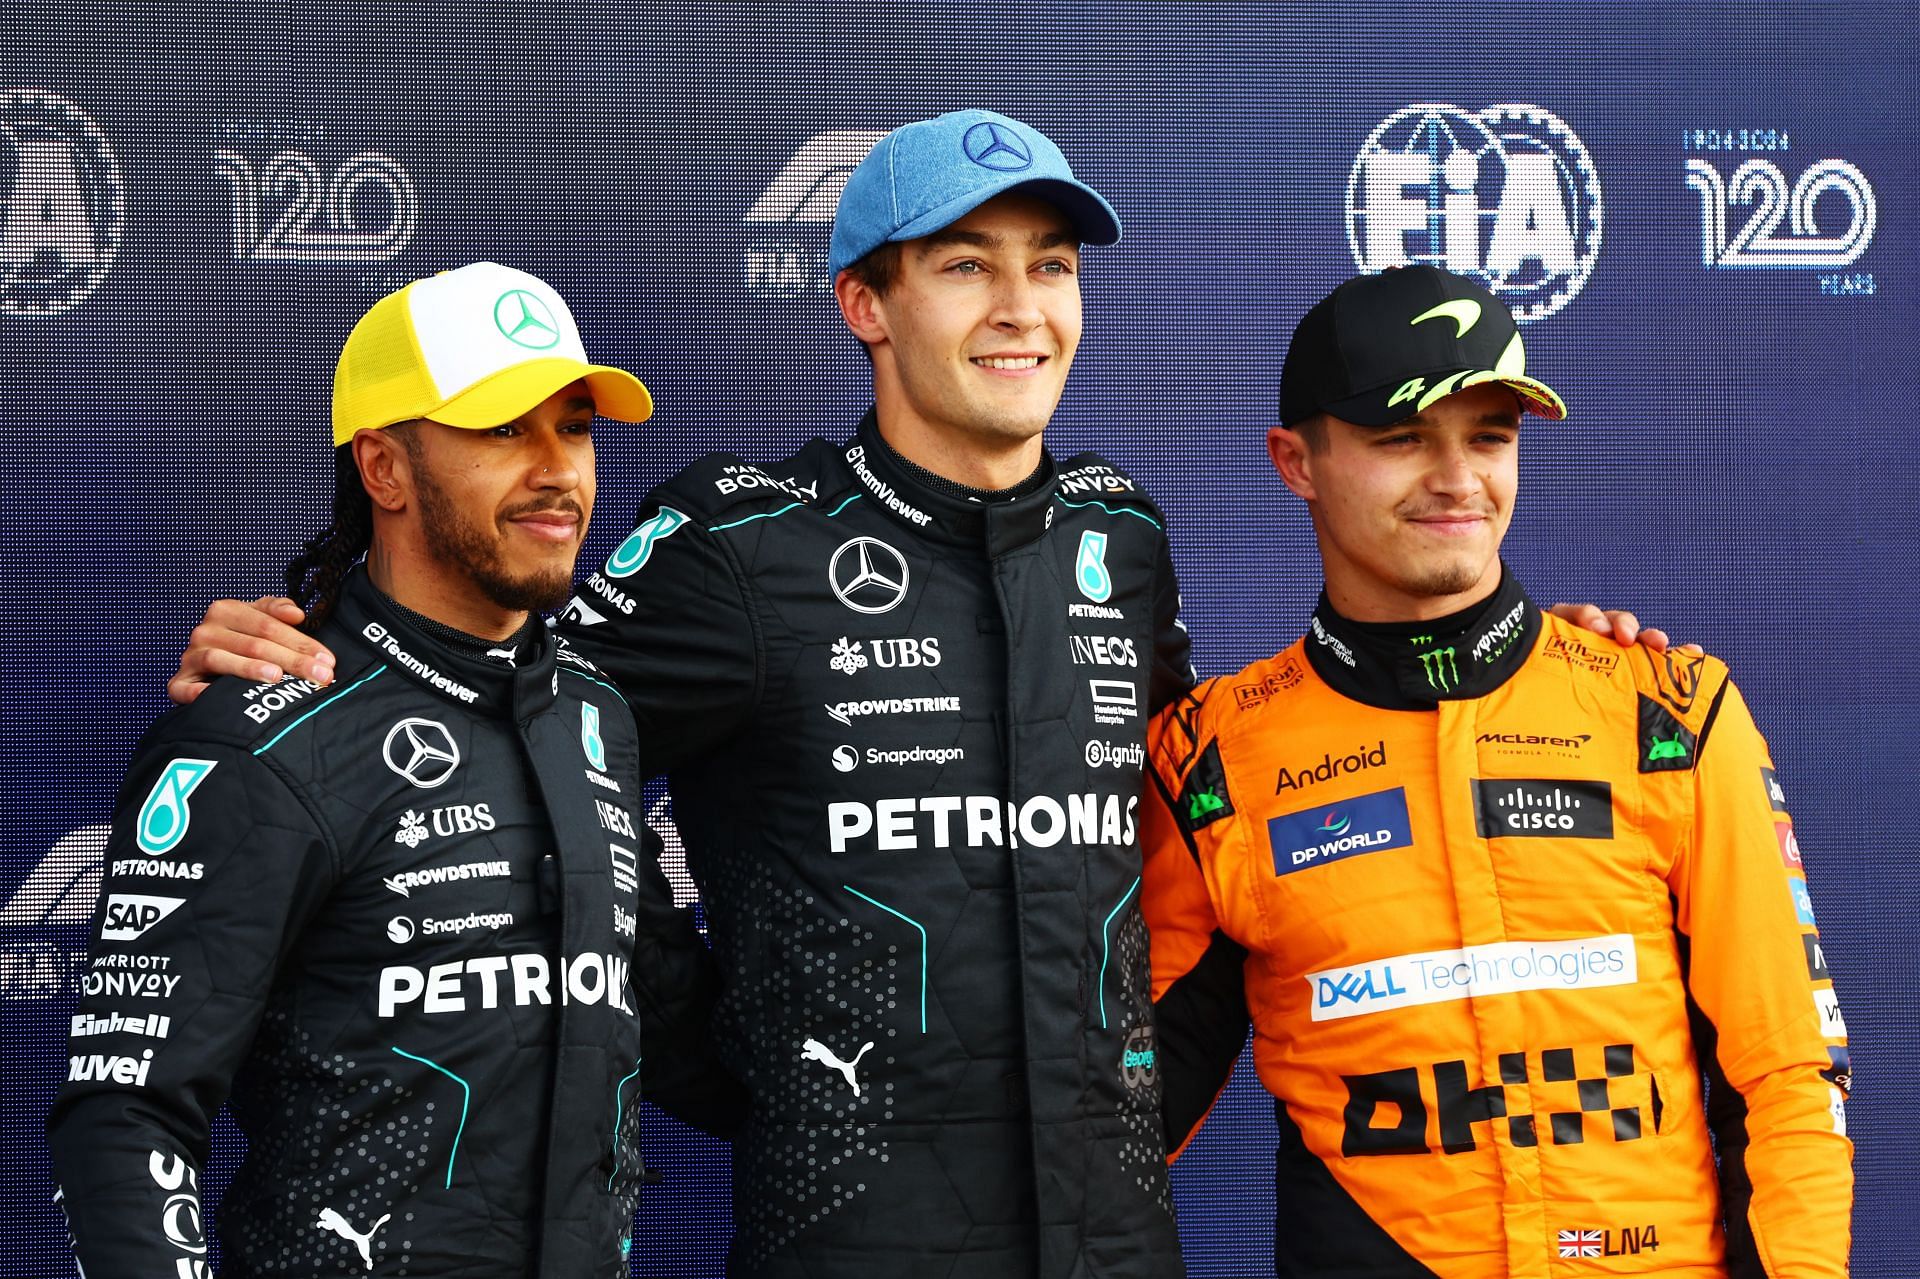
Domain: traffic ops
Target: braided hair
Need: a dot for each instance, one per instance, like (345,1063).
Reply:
(315,575)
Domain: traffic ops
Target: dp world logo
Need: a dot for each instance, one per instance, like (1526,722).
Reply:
(1508,196)
(524,319)
(63,207)
(1335,823)
(992,145)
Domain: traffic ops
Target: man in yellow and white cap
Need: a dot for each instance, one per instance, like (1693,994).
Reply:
(408,925)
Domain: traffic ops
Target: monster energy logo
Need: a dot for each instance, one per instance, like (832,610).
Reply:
(1443,672)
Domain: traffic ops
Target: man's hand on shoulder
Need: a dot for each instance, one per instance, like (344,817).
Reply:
(254,641)
(1615,622)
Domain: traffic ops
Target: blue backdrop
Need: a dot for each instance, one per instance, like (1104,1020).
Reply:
(1705,212)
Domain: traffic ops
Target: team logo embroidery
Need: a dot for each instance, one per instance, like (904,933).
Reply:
(632,555)
(1090,567)
(524,319)
(422,751)
(867,575)
(992,145)
(590,736)
(1507,195)
(165,815)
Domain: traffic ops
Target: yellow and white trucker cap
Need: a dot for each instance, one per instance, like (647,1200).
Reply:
(474,347)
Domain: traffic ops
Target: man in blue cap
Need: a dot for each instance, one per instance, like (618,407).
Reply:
(900,685)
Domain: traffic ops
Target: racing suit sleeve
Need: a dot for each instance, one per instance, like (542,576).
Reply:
(676,985)
(666,616)
(1199,991)
(1172,673)
(1766,1022)
(212,868)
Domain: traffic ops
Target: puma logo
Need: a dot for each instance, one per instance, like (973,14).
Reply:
(331,1220)
(814,1050)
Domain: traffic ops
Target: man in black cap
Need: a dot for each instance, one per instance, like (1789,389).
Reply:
(1492,895)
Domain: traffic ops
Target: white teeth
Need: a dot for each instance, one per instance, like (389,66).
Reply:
(1023,362)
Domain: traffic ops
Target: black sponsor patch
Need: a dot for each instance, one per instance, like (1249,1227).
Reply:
(1816,957)
(1678,675)
(1204,799)
(1523,808)
(1666,745)
(1776,793)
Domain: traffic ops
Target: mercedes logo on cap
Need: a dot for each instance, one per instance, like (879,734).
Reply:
(867,575)
(992,145)
(524,320)
(422,751)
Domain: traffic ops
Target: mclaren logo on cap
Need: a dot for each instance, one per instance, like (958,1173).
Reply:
(1464,312)
(992,145)
(525,320)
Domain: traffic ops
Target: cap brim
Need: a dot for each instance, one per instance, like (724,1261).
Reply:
(1372,407)
(1093,218)
(504,396)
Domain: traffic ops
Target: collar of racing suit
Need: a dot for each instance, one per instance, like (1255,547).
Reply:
(1002,522)
(1414,666)
(524,688)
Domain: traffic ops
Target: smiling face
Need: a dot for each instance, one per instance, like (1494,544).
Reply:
(1409,516)
(501,512)
(973,336)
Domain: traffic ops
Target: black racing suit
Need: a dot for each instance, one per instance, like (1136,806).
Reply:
(904,734)
(395,918)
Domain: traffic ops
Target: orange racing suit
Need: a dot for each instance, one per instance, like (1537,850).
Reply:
(1496,898)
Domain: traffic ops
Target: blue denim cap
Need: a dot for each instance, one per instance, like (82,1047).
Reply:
(931,173)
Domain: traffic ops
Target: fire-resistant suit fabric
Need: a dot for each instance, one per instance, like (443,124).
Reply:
(1496,896)
(396,919)
(905,733)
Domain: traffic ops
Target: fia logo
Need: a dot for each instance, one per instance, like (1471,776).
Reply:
(1090,567)
(365,210)
(1507,195)
(165,816)
(63,204)
(1762,185)
(788,255)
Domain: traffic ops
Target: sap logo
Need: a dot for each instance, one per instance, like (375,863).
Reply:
(120,1070)
(1102,650)
(1355,986)
(63,215)
(489,981)
(1508,195)
(129,915)
(614,818)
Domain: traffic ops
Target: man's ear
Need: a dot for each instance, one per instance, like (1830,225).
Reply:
(865,311)
(1293,459)
(385,469)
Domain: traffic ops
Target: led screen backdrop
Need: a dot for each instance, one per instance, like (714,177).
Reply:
(1704,213)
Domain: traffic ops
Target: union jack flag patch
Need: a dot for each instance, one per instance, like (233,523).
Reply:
(1581,1243)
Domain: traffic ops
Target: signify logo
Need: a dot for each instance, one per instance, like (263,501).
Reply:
(1366,824)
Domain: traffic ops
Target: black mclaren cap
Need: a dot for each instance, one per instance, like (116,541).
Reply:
(1383,347)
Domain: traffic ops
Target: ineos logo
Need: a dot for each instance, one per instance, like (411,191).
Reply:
(422,751)
(867,575)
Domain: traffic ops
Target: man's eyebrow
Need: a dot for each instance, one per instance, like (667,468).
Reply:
(1499,417)
(1053,239)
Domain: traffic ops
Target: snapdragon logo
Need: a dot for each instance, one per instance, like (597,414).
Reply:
(1472,972)
(1366,824)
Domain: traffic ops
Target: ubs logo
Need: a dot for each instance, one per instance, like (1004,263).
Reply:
(867,575)
(63,208)
(1507,195)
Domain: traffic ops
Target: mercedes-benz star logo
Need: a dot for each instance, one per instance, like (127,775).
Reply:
(525,320)
(867,575)
(422,751)
(995,146)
